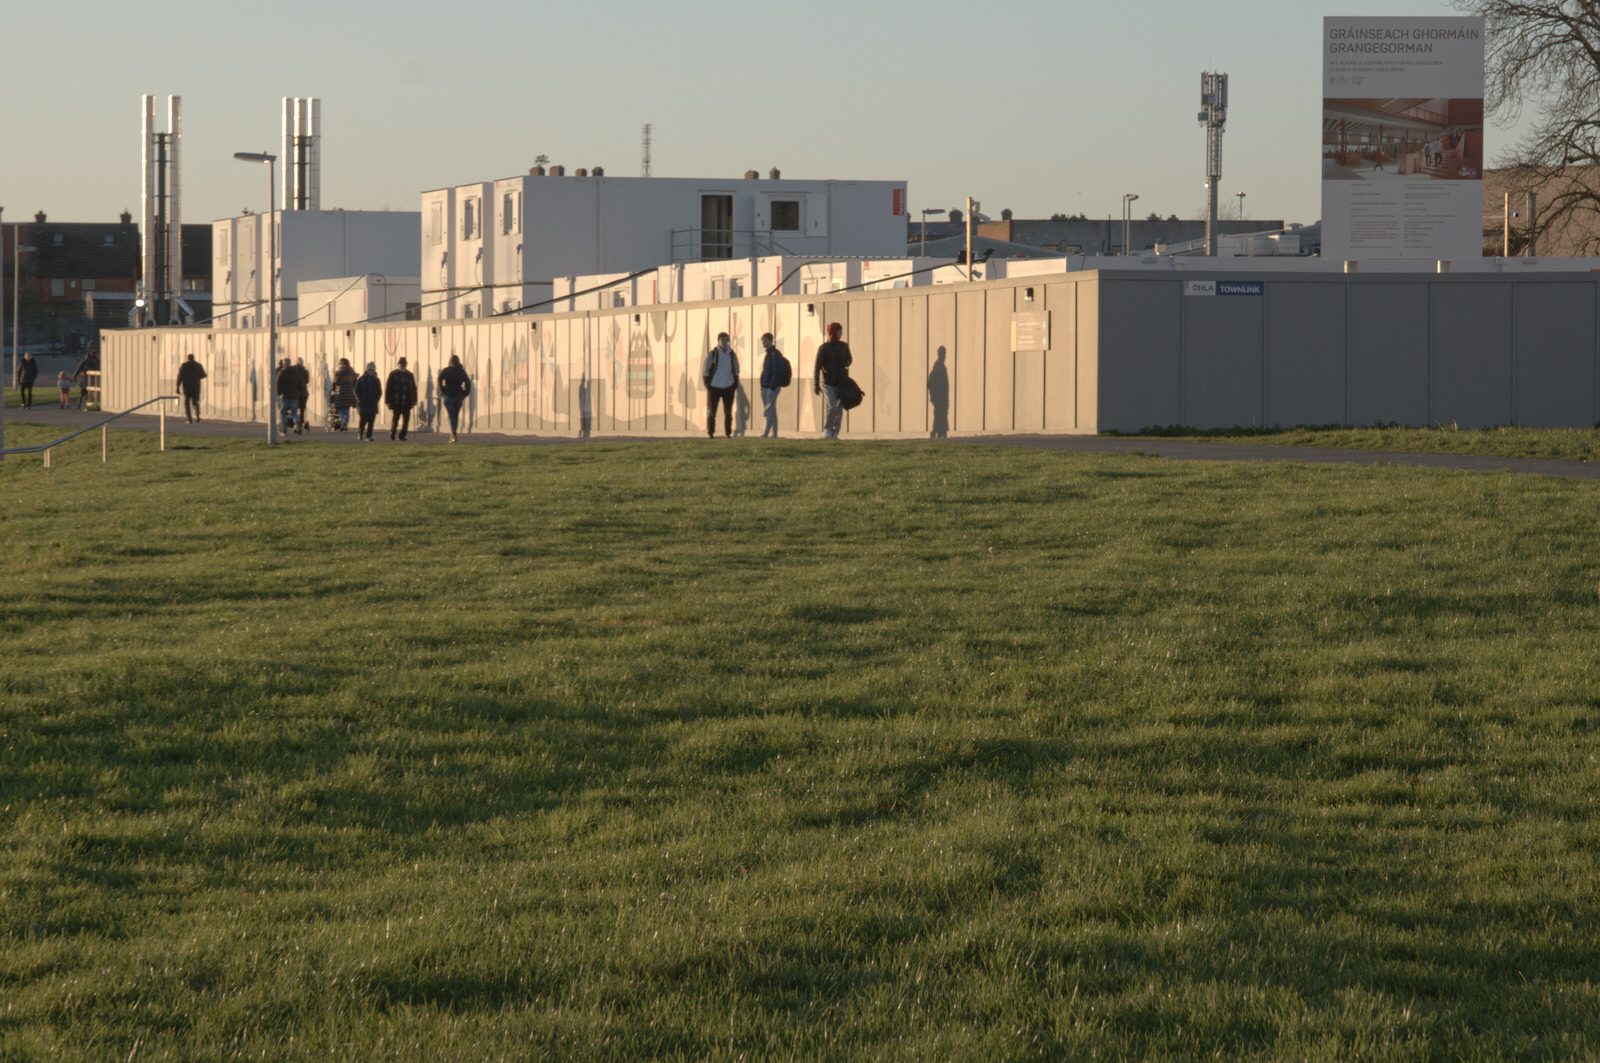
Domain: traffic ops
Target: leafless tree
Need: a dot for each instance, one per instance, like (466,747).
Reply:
(1544,56)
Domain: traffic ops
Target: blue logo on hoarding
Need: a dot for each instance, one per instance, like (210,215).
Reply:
(1240,288)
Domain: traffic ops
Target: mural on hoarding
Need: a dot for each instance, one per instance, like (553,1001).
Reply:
(513,368)
(641,363)
(551,397)
(663,331)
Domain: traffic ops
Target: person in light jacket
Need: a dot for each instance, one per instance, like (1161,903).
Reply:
(720,372)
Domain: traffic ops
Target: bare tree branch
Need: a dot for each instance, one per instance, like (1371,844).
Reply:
(1545,55)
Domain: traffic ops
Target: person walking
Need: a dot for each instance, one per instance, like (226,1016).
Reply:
(190,373)
(90,367)
(302,394)
(776,373)
(400,395)
(27,373)
(833,369)
(454,387)
(344,391)
(720,372)
(64,385)
(369,392)
(288,392)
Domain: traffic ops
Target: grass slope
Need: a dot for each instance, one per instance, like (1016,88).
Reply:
(736,750)
(1568,444)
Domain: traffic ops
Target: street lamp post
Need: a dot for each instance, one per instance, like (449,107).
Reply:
(272,284)
(1127,219)
(1240,197)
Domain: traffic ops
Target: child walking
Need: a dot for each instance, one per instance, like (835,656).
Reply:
(64,383)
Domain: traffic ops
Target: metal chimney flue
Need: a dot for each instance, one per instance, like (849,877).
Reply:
(160,214)
(302,153)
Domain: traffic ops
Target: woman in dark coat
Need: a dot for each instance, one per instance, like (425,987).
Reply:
(369,392)
(344,391)
(454,387)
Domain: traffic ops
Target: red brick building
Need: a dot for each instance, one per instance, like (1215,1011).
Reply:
(77,276)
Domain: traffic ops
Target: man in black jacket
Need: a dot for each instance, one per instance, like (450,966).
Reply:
(720,373)
(190,373)
(288,397)
(27,373)
(833,368)
(400,395)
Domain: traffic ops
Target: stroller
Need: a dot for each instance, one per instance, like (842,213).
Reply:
(336,423)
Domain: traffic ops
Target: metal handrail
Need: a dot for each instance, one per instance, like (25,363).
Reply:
(689,245)
(46,448)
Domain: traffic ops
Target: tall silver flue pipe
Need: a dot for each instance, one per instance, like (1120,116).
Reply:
(173,244)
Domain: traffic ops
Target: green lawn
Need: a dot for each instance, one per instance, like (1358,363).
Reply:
(1571,444)
(742,750)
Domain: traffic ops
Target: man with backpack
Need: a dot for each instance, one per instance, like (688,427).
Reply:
(776,374)
(832,374)
(720,371)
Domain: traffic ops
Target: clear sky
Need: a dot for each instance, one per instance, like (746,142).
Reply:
(1036,105)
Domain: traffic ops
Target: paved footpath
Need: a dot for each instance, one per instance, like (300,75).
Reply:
(1175,449)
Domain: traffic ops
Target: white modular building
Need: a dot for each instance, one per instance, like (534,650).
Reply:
(369,297)
(312,245)
(490,247)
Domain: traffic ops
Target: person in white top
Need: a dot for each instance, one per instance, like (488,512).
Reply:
(720,372)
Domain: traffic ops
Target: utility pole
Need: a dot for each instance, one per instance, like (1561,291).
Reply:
(1213,115)
(644,165)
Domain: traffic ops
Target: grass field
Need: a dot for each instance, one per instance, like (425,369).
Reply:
(1569,444)
(732,750)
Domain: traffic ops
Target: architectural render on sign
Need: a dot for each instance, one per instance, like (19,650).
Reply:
(494,246)
(311,245)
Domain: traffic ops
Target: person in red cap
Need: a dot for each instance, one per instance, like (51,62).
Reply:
(833,368)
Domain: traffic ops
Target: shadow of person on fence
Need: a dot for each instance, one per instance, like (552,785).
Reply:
(939,397)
